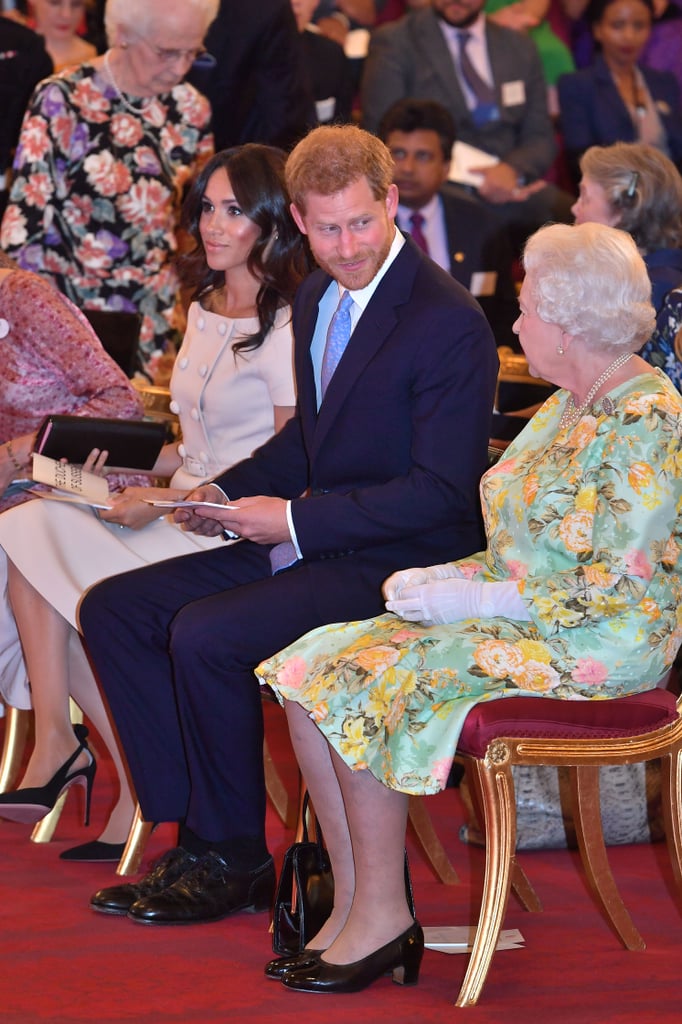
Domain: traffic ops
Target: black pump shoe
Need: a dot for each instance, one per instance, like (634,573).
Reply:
(94,852)
(278,967)
(402,958)
(31,804)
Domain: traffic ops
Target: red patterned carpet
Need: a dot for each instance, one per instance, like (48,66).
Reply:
(64,964)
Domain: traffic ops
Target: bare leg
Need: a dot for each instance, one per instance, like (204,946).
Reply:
(314,759)
(364,829)
(57,668)
(377,819)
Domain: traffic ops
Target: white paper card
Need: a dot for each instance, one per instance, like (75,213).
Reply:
(463,158)
(513,93)
(459,939)
(483,282)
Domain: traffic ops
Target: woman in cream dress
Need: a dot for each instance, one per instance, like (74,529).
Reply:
(232,387)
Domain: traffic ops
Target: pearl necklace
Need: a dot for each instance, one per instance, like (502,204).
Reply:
(571,415)
(137,111)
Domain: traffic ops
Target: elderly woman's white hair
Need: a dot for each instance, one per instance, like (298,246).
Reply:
(591,280)
(138,16)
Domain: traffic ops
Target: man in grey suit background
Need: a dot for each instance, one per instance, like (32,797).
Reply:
(491,81)
(379,468)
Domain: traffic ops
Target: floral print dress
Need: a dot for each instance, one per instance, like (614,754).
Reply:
(587,520)
(96,194)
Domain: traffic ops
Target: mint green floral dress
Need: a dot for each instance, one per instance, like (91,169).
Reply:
(587,520)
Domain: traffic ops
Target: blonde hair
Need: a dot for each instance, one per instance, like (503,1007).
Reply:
(643,189)
(332,157)
(590,280)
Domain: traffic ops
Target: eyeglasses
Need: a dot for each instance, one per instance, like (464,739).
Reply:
(172,56)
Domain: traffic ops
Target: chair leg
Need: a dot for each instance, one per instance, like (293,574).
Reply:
(140,831)
(671,795)
(421,822)
(520,883)
(496,787)
(17,725)
(276,790)
(590,836)
(44,829)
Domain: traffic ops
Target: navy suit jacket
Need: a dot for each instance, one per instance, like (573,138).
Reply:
(410,58)
(390,464)
(477,244)
(593,112)
(258,90)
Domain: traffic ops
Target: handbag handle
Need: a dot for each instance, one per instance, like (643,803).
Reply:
(306,804)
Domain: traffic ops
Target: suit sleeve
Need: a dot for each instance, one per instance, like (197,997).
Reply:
(535,148)
(386,76)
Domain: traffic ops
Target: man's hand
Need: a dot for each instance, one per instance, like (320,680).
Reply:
(500,184)
(188,518)
(260,519)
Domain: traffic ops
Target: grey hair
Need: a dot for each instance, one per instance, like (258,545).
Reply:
(591,281)
(643,189)
(138,16)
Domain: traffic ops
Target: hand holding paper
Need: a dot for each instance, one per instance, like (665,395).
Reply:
(261,519)
(75,483)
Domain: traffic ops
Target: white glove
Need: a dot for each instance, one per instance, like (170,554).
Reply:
(397,581)
(450,600)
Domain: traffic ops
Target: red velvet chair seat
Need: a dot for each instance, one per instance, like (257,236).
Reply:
(553,718)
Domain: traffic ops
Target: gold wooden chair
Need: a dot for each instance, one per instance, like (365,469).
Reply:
(581,736)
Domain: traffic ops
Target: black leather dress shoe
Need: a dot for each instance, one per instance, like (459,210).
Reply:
(402,958)
(209,891)
(118,899)
(278,967)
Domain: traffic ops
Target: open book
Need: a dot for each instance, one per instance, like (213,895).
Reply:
(70,483)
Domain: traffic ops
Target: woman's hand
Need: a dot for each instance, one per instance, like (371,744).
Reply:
(397,582)
(95,462)
(130,510)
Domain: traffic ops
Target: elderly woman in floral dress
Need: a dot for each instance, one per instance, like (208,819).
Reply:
(575,597)
(105,154)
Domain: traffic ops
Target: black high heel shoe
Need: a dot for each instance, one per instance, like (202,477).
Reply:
(402,958)
(31,804)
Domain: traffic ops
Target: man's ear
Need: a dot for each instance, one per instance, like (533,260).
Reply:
(392,201)
(298,218)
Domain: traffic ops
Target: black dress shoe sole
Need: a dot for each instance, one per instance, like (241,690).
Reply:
(112,911)
(247,909)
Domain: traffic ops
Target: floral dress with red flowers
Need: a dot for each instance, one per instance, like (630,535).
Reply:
(96,195)
(588,520)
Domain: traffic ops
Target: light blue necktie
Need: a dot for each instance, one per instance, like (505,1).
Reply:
(283,555)
(337,339)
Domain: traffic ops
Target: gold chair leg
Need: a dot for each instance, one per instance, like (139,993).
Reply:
(276,790)
(131,858)
(671,777)
(44,829)
(497,791)
(421,822)
(590,836)
(17,725)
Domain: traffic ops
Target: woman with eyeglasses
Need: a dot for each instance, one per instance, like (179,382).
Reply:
(105,155)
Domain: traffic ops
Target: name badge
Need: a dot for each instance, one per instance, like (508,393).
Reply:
(513,93)
(483,282)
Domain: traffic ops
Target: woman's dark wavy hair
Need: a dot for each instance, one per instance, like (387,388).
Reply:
(279,257)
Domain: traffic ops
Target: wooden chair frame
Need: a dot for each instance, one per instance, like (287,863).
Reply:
(493,795)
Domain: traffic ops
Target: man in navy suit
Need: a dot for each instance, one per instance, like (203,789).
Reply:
(458,231)
(379,469)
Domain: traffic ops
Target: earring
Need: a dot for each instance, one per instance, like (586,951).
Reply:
(560,350)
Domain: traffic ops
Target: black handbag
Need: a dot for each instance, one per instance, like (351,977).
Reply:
(305,893)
